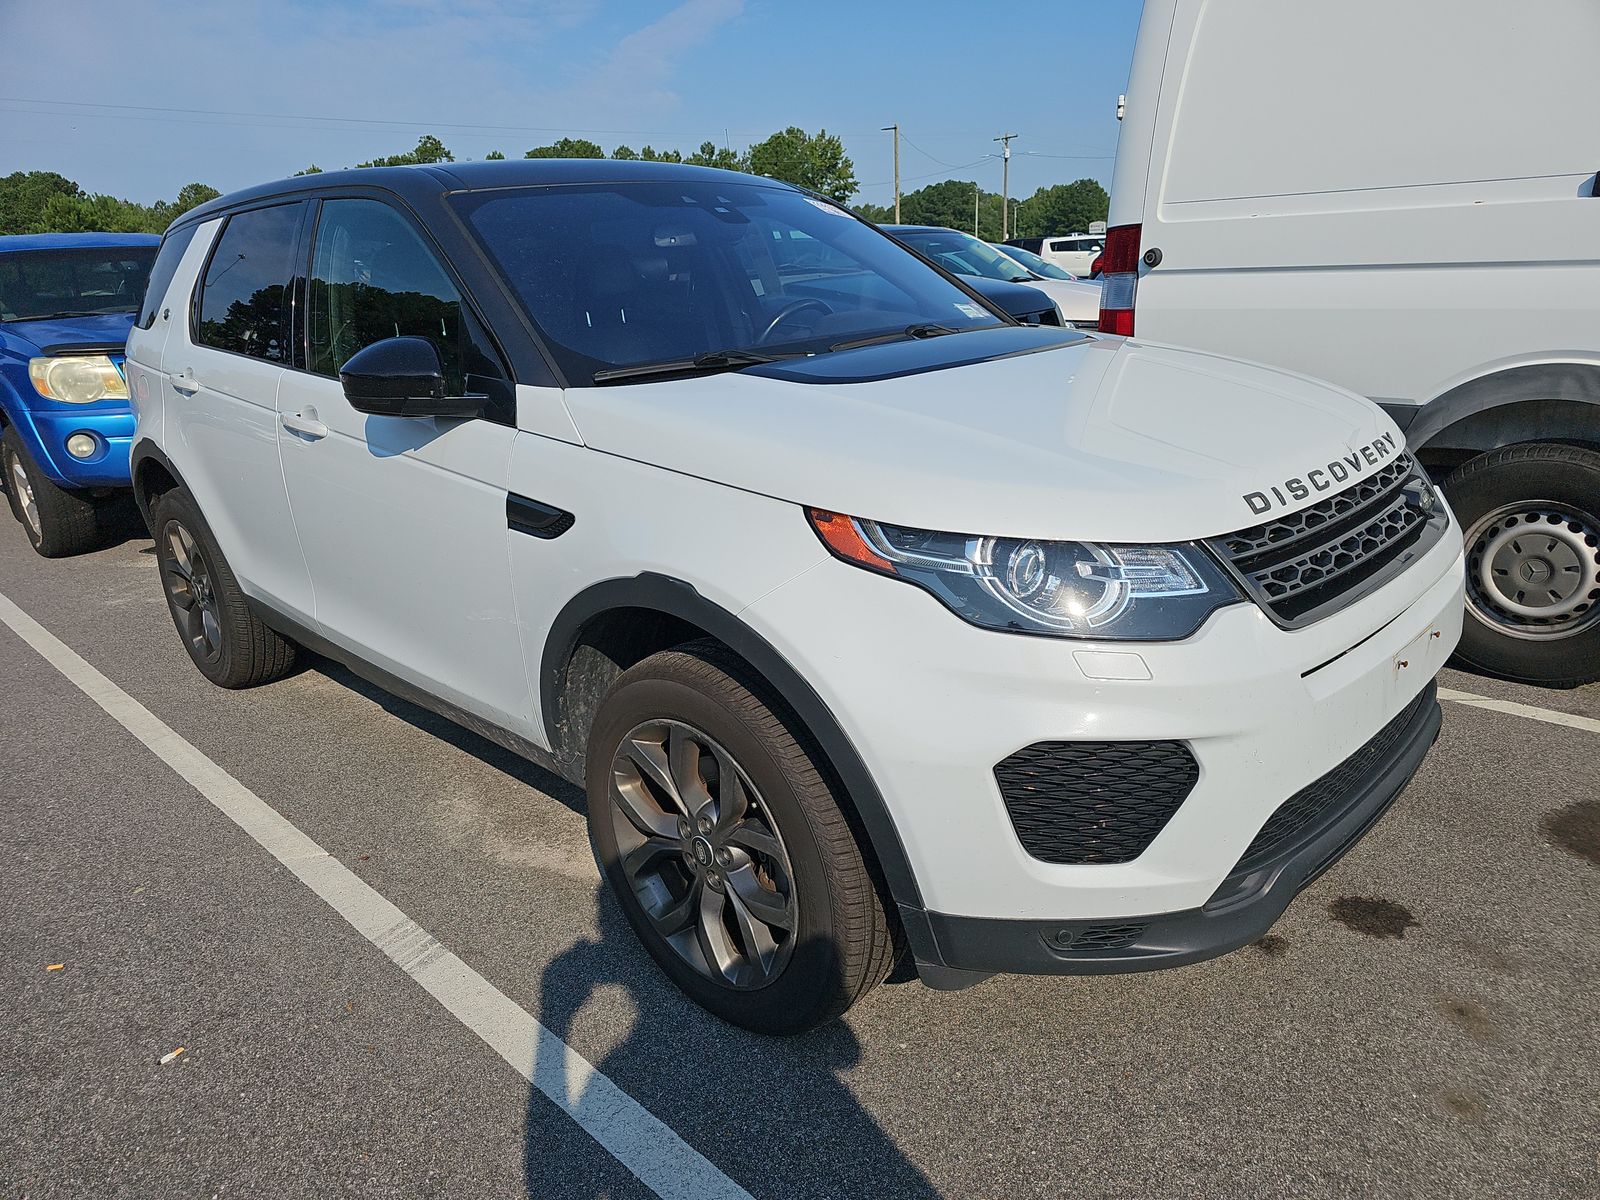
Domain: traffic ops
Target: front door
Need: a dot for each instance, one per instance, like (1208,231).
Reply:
(403,519)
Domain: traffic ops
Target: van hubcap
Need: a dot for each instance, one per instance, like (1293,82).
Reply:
(23,490)
(187,577)
(702,855)
(1533,569)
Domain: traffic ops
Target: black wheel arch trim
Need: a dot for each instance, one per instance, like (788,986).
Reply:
(1570,382)
(676,598)
(144,451)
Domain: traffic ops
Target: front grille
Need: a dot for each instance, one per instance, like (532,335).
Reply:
(1305,564)
(1104,937)
(1094,802)
(1304,814)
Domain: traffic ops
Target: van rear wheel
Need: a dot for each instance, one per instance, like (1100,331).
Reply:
(1531,516)
(728,849)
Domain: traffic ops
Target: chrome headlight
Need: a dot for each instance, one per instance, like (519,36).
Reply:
(1023,585)
(77,378)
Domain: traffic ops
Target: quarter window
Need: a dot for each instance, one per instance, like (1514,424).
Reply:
(244,302)
(373,277)
(167,260)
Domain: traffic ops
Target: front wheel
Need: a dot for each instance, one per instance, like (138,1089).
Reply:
(729,852)
(1531,515)
(59,522)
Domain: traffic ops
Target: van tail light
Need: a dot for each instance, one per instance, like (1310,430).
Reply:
(1120,279)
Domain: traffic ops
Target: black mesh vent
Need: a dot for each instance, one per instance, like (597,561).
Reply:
(1304,563)
(1306,812)
(1107,937)
(1094,802)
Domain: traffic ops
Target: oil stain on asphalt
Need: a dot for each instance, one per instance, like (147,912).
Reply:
(1272,946)
(1372,916)
(1576,829)
(1470,1017)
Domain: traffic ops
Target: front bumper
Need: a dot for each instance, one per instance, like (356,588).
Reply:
(1249,901)
(46,430)
(931,704)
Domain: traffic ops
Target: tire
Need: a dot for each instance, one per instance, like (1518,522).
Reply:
(700,708)
(1530,516)
(58,521)
(232,648)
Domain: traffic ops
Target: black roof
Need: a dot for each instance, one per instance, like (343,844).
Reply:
(430,179)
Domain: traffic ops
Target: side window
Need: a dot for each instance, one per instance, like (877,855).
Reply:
(243,305)
(373,277)
(167,260)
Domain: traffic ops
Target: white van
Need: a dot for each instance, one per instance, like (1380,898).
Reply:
(1401,199)
(1074,252)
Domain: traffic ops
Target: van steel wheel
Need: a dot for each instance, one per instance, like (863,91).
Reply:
(58,521)
(701,855)
(729,851)
(225,639)
(1531,515)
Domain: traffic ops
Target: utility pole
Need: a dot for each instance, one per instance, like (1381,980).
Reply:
(896,129)
(977,192)
(1005,184)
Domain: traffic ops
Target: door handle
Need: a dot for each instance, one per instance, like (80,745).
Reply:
(185,382)
(305,424)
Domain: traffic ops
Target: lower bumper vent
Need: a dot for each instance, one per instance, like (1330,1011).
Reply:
(1094,802)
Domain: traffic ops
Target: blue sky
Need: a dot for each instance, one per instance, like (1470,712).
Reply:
(139,97)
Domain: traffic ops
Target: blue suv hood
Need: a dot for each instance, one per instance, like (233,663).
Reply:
(62,334)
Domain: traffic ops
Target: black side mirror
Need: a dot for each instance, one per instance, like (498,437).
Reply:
(403,377)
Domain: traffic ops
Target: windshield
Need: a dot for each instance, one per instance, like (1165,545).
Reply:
(1034,263)
(38,284)
(626,274)
(963,254)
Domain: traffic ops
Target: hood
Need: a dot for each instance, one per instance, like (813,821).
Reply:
(1082,438)
(63,334)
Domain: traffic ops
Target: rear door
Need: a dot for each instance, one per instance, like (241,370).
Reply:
(403,519)
(221,368)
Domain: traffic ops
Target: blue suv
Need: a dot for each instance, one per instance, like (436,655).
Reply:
(67,301)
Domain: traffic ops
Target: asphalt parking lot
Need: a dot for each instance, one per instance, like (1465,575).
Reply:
(1425,1021)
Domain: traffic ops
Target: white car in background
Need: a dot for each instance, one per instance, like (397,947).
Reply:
(1032,263)
(1073,252)
(962,254)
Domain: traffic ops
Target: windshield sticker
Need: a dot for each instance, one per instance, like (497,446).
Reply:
(825,207)
(972,310)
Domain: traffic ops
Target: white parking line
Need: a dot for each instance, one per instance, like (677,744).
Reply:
(662,1160)
(1548,715)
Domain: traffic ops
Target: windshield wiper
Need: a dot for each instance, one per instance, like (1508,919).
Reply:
(99,312)
(711,360)
(896,335)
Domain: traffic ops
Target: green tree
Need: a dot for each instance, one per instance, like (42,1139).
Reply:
(627,153)
(1063,208)
(24,195)
(567,148)
(795,156)
(313,169)
(651,154)
(494,156)
(429,150)
(712,155)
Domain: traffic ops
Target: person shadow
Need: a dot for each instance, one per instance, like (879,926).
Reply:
(774,1114)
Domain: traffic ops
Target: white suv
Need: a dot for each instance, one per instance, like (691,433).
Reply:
(870,620)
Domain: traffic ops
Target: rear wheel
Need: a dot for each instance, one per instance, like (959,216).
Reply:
(1531,515)
(729,851)
(58,521)
(229,644)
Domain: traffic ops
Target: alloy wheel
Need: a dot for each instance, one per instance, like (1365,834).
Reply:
(23,490)
(702,855)
(187,577)
(1533,570)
